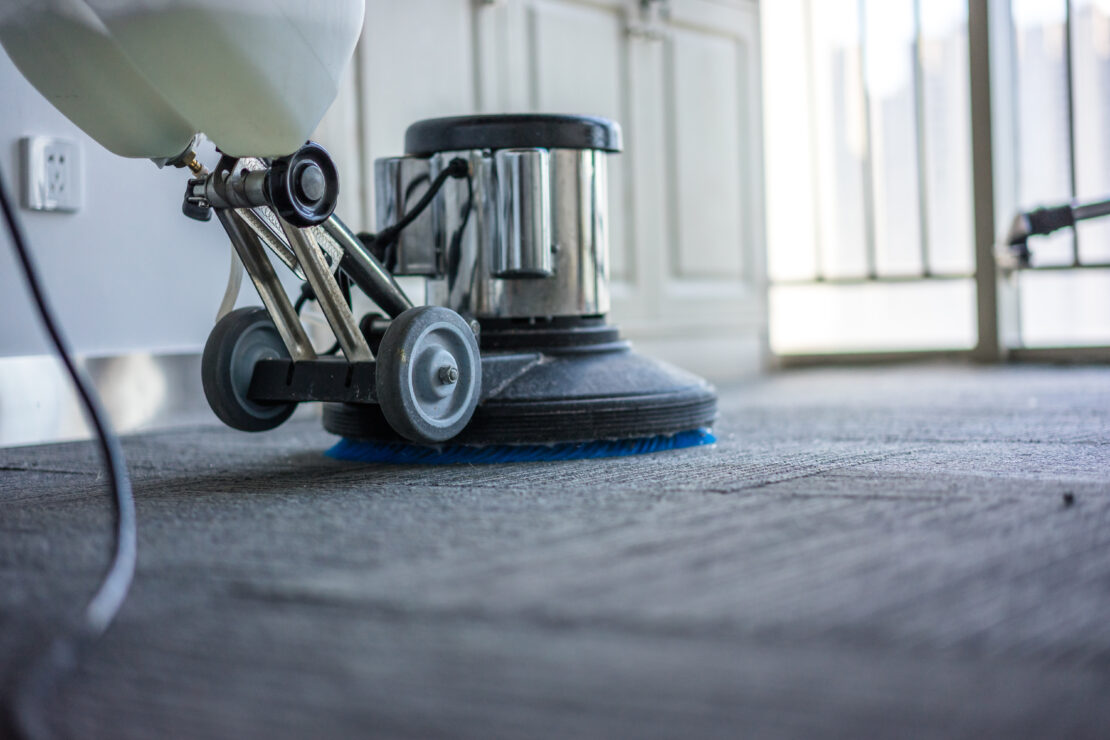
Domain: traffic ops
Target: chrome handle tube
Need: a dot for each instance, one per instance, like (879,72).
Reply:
(268,286)
(368,273)
(523,214)
(328,295)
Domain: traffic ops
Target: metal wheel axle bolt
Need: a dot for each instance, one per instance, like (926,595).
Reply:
(448,375)
(311,183)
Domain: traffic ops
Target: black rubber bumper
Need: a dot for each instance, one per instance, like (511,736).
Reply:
(568,397)
(512,131)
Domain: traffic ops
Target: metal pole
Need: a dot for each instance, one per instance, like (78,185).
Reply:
(1084,211)
(1069,71)
(267,284)
(367,271)
(814,168)
(922,146)
(328,295)
(989,346)
(869,151)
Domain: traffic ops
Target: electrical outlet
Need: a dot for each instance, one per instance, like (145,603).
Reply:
(51,173)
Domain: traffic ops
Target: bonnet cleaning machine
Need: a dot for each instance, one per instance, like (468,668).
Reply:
(504,216)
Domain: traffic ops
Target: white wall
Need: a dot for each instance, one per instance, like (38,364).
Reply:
(128,272)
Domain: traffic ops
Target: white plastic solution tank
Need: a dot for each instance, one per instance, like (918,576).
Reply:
(143,76)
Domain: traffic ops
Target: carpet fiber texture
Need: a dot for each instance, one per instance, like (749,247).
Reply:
(907,552)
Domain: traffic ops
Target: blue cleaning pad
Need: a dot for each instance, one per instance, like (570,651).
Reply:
(402,453)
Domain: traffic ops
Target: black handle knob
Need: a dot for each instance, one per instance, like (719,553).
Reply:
(304,186)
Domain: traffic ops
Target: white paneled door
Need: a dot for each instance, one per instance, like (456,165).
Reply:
(681,77)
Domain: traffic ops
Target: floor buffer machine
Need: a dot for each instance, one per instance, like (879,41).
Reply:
(504,216)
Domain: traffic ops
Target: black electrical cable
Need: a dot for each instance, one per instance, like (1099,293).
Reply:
(412,186)
(457,237)
(456,168)
(383,245)
(454,249)
(306,295)
(60,656)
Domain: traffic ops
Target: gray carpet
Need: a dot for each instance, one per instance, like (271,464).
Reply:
(913,552)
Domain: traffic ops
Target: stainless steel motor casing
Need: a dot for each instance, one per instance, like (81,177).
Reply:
(576,279)
(399,182)
(529,240)
(524,246)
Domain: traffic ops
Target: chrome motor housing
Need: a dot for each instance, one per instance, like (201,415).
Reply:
(526,234)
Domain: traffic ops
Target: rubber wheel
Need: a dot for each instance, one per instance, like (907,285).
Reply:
(238,341)
(429,374)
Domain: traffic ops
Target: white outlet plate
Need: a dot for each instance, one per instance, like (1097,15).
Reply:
(51,173)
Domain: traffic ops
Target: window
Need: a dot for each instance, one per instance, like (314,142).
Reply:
(1061,133)
(869,149)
